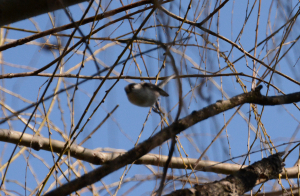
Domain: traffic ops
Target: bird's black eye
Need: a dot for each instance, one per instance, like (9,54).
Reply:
(131,86)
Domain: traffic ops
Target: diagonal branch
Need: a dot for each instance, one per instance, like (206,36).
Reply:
(166,133)
(72,25)
(16,10)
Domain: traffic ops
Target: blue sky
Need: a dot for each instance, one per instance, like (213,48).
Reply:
(121,131)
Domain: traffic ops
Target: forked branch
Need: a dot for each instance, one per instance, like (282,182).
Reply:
(165,134)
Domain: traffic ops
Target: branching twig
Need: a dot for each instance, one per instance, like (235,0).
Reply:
(254,97)
(240,182)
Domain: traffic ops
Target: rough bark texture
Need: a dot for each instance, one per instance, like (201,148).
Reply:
(166,133)
(241,181)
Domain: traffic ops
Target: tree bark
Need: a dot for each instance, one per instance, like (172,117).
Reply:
(15,10)
(166,133)
(241,181)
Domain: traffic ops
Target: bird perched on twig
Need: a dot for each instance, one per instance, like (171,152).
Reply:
(146,94)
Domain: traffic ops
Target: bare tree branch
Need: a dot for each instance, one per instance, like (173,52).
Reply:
(165,134)
(240,182)
(97,157)
(72,25)
(212,53)
(15,10)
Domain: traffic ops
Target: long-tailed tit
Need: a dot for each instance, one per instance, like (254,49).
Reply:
(146,94)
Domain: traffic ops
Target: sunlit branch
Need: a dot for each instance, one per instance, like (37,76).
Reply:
(165,134)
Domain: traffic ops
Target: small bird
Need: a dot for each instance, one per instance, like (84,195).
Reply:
(146,94)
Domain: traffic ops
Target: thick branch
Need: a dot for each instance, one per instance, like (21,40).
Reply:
(42,143)
(166,133)
(240,182)
(15,10)
(72,25)
(99,158)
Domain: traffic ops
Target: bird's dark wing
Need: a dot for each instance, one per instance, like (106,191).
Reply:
(156,88)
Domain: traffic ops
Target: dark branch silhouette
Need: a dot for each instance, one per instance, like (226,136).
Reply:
(166,133)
